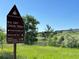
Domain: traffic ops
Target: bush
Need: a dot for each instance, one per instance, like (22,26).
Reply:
(70,42)
(77,44)
(6,55)
(52,41)
(60,41)
(64,41)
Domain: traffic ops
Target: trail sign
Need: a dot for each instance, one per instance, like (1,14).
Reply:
(15,26)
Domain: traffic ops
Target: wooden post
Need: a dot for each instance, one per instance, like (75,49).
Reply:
(14,49)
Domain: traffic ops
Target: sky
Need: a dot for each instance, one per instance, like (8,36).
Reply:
(59,14)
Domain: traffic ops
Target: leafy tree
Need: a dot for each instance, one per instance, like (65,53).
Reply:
(30,29)
(2,37)
(1,29)
(2,34)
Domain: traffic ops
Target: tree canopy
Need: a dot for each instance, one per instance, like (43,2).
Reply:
(30,29)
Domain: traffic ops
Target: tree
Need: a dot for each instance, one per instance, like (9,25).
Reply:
(30,29)
(2,37)
(1,29)
(2,34)
(48,32)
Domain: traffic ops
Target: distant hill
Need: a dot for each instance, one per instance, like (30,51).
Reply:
(60,31)
(69,30)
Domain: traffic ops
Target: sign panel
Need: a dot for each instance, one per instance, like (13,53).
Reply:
(15,26)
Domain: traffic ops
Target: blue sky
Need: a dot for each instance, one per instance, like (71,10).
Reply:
(59,14)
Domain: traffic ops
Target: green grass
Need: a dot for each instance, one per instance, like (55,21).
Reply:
(42,52)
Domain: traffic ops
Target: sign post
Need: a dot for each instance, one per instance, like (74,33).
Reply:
(14,49)
(15,28)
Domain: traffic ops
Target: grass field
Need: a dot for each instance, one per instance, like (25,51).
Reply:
(40,52)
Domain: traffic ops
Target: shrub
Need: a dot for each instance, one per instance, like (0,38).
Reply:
(60,41)
(70,42)
(53,41)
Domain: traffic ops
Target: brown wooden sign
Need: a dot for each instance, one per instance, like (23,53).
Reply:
(15,26)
